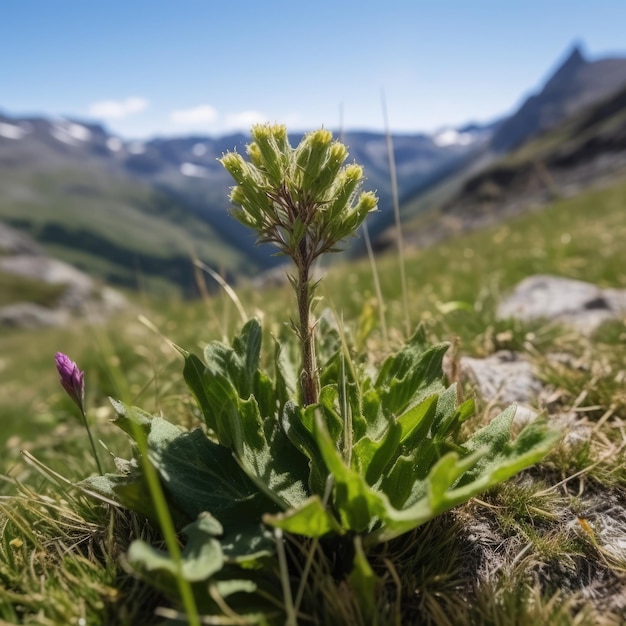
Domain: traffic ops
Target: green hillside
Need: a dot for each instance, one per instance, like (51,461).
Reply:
(119,230)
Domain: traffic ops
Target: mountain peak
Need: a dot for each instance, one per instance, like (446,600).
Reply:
(572,64)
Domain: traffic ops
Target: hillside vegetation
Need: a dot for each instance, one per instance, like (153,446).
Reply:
(129,234)
(541,537)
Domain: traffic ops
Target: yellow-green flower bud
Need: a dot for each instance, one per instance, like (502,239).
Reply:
(235,166)
(267,152)
(311,156)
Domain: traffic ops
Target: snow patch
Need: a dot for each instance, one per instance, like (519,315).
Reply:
(11,131)
(70,133)
(115,144)
(76,131)
(451,137)
(199,149)
(136,147)
(197,171)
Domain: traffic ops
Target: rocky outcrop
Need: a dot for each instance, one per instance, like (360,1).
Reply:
(80,297)
(581,305)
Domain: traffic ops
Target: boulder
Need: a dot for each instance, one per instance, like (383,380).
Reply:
(573,302)
(504,377)
(81,295)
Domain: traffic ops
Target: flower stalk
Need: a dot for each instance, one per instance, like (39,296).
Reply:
(72,379)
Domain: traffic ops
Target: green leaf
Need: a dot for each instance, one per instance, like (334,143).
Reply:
(363,582)
(217,398)
(201,557)
(298,427)
(130,490)
(201,475)
(310,519)
(269,459)
(371,457)
(131,420)
(412,374)
(488,459)
(357,505)
(504,458)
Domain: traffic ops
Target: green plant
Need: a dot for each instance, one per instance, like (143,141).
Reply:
(326,448)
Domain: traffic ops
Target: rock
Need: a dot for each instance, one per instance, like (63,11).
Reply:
(82,297)
(579,304)
(14,242)
(29,315)
(504,377)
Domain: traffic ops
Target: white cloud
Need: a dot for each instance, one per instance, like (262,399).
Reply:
(244,120)
(118,109)
(200,115)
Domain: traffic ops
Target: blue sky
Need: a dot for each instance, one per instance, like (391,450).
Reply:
(174,67)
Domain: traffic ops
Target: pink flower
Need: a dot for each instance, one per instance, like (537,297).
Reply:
(71,379)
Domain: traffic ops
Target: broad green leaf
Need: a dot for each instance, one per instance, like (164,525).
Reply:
(246,542)
(270,460)
(455,479)
(415,424)
(131,418)
(449,417)
(240,362)
(300,434)
(310,519)
(370,458)
(411,374)
(201,557)
(504,458)
(217,398)
(130,490)
(201,475)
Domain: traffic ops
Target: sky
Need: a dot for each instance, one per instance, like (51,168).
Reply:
(147,68)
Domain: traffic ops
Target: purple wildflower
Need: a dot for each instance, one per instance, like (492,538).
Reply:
(71,379)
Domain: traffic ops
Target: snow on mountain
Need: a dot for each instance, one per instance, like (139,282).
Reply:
(451,137)
(11,131)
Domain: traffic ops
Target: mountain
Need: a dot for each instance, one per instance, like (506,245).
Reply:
(123,209)
(583,150)
(64,184)
(576,84)
(586,149)
(574,89)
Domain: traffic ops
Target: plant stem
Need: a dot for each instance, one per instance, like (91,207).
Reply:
(307,337)
(91,441)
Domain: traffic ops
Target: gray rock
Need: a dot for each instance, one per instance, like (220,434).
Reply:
(579,304)
(505,377)
(29,315)
(15,242)
(82,297)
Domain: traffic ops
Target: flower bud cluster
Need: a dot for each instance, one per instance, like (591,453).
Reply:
(303,200)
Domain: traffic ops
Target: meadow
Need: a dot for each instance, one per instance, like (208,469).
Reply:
(544,537)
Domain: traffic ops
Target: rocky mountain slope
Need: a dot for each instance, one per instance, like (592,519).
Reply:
(567,137)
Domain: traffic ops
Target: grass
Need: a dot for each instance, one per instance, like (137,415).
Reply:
(547,547)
